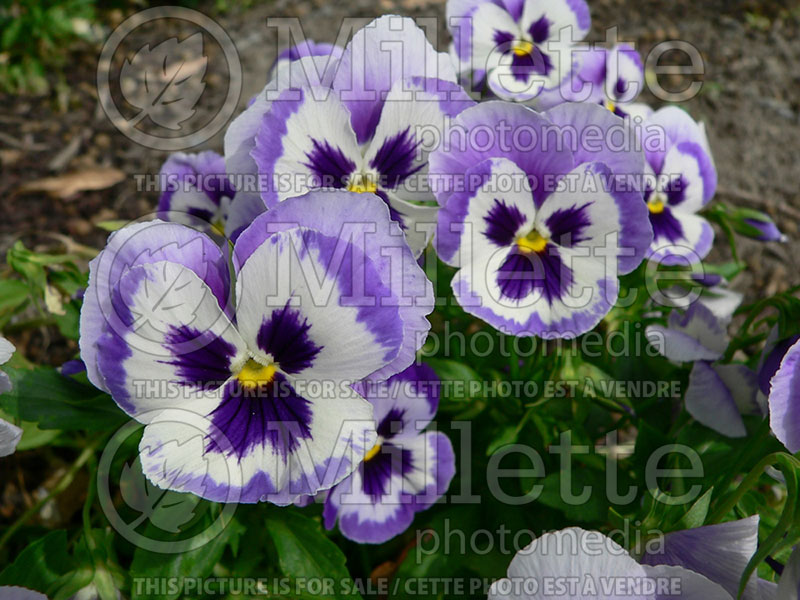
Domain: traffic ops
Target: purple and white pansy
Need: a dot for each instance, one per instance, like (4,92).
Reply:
(534,218)
(196,191)
(361,129)
(523,47)
(246,387)
(575,564)
(407,469)
(10,434)
(612,77)
(680,180)
(718,393)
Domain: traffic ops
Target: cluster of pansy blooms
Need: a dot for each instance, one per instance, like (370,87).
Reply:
(290,378)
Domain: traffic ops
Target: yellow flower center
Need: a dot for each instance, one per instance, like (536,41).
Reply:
(656,205)
(533,242)
(360,183)
(254,374)
(372,452)
(522,47)
(610,105)
(218,227)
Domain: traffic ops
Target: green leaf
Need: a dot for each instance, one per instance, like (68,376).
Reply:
(13,293)
(33,437)
(199,562)
(46,397)
(113,225)
(595,508)
(40,564)
(457,379)
(305,552)
(439,555)
(696,515)
(506,435)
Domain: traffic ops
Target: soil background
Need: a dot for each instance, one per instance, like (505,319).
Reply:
(750,101)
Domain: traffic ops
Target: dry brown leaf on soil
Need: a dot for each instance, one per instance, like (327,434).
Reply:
(70,184)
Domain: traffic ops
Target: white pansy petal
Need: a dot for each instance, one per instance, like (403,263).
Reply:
(10,436)
(304,142)
(688,584)
(289,446)
(345,321)
(6,350)
(169,342)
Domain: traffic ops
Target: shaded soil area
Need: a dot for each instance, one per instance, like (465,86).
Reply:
(750,101)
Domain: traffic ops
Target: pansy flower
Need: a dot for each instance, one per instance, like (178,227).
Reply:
(611,77)
(407,469)
(718,393)
(680,180)
(523,46)
(246,387)
(10,434)
(535,219)
(784,400)
(719,552)
(364,129)
(196,191)
(239,141)
(575,564)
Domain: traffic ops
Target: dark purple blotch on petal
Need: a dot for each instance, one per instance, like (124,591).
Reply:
(391,424)
(522,273)
(502,222)
(522,66)
(201,359)
(271,413)
(676,191)
(666,226)
(568,225)
(329,164)
(394,161)
(284,335)
(376,473)
(540,30)
(201,213)
(502,38)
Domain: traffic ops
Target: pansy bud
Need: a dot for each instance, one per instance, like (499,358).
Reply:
(755,224)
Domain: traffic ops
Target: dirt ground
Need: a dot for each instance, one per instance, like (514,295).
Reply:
(750,101)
